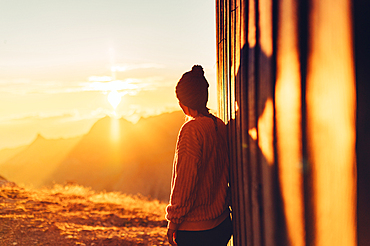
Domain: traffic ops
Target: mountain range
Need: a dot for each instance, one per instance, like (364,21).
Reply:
(115,155)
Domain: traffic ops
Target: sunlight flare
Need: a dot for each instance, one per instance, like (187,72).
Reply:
(114,98)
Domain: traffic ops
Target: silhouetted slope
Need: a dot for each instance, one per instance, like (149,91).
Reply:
(118,155)
(155,145)
(36,162)
(95,161)
(6,154)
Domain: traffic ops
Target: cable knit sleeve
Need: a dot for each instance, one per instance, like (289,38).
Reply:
(185,173)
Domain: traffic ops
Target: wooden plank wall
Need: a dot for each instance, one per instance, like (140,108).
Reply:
(287,92)
(362,54)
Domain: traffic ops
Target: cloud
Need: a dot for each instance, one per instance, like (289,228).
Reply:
(116,85)
(59,116)
(20,81)
(104,83)
(38,116)
(100,78)
(130,86)
(22,87)
(127,67)
(101,84)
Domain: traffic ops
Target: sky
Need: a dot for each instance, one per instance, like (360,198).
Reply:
(64,64)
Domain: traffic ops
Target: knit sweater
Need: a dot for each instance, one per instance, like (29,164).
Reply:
(199,190)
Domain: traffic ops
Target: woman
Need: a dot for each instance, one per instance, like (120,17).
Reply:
(198,211)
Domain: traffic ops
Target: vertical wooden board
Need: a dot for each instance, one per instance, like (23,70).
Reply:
(246,223)
(331,122)
(288,122)
(229,88)
(266,119)
(244,199)
(234,90)
(219,59)
(232,53)
(222,82)
(243,75)
(236,191)
(237,36)
(362,56)
(234,150)
(225,64)
(252,128)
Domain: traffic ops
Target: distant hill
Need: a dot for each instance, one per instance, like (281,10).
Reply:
(117,155)
(32,164)
(154,150)
(6,154)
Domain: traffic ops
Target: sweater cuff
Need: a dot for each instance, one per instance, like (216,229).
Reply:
(172,226)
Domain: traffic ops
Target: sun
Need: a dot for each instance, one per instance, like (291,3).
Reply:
(114,98)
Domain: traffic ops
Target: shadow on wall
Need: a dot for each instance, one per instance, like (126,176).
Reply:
(258,207)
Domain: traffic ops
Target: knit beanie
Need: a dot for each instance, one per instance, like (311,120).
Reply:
(192,89)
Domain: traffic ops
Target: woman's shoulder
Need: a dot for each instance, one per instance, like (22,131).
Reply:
(196,123)
(189,124)
(209,122)
(190,128)
(201,122)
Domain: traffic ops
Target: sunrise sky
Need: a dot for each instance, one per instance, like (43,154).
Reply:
(61,59)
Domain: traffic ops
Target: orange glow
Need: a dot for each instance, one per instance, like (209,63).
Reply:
(265,7)
(252,25)
(33,168)
(56,82)
(265,132)
(253,133)
(288,122)
(115,129)
(116,155)
(331,122)
(236,106)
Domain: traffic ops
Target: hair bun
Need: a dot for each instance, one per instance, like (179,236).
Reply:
(197,69)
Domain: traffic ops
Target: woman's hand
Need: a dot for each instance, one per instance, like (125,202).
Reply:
(171,235)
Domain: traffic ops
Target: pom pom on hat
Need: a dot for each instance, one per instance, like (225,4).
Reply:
(197,69)
(192,89)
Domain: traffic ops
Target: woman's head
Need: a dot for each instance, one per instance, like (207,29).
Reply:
(192,89)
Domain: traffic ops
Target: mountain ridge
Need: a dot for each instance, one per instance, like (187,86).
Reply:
(115,155)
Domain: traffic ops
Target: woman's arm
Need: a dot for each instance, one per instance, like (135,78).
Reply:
(185,174)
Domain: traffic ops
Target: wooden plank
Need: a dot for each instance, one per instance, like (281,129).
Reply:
(331,122)
(235,150)
(243,108)
(219,41)
(218,60)
(254,173)
(241,118)
(288,123)
(242,165)
(227,56)
(265,110)
(362,56)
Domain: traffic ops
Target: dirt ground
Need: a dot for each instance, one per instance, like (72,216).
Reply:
(75,215)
